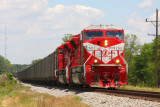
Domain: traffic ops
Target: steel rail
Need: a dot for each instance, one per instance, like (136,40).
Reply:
(144,95)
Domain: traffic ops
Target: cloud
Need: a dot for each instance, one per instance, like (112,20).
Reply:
(137,22)
(137,25)
(153,16)
(64,17)
(34,29)
(145,3)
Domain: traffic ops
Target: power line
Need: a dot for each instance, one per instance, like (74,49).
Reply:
(156,60)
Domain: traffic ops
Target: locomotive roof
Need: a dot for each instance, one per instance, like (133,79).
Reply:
(95,27)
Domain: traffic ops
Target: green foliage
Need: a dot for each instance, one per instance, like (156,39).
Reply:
(35,61)
(17,67)
(3,83)
(141,63)
(4,65)
(77,98)
(67,37)
(130,87)
(7,86)
(9,75)
(13,95)
(8,83)
(132,47)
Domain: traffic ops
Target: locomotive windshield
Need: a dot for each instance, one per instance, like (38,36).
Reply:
(91,34)
(117,34)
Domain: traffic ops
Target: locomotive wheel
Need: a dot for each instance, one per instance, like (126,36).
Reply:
(111,88)
(87,86)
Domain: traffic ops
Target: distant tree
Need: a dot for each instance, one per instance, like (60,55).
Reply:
(154,56)
(132,47)
(142,74)
(67,37)
(4,65)
(17,67)
(35,61)
(142,66)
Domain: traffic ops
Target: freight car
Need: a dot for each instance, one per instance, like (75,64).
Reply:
(94,58)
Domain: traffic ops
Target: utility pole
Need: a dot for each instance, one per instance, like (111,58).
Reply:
(7,69)
(156,61)
(5,43)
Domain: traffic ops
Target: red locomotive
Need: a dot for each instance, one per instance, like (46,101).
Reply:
(94,58)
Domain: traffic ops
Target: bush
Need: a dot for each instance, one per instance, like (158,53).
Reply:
(13,82)
(3,83)
(9,75)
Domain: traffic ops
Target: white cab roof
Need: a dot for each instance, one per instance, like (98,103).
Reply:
(96,27)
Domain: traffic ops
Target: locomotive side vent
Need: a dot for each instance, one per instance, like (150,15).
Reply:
(73,44)
(66,47)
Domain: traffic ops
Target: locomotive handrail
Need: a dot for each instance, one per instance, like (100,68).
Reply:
(86,62)
(124,62)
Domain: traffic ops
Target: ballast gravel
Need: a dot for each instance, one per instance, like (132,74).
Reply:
(94,99)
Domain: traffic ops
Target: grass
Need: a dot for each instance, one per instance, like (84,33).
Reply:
(129,87)
(69,101)
(15,95)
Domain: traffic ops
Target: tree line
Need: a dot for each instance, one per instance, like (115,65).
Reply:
(141,61)
(6,66)
(140,58)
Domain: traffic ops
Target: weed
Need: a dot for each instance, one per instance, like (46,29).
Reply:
(13,95)
(3,83)
(129,87)
(77,98)
(9,75)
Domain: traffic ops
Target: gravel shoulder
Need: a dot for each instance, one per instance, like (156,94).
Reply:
(93,99)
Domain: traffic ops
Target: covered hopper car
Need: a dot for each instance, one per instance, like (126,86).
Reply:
(94,58)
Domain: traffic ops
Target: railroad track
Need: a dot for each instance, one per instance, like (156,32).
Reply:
(145,95)
(152,96)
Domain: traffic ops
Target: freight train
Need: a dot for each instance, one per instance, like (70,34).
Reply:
(93,58)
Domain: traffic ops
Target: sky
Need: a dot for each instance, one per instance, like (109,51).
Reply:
(34,28)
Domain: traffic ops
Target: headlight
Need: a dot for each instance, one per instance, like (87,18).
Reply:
(117,61)
(106,42)
(95,61)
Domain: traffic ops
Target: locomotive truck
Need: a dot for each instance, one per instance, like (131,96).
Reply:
(93,58)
